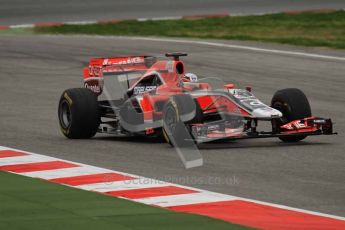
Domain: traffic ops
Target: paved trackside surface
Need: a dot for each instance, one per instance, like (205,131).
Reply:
(23,11)
(309,175)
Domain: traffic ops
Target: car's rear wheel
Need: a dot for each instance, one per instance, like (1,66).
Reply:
(294,105)
(180,111)
(78,112)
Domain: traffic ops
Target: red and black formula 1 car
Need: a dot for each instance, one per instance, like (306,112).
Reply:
(141,95)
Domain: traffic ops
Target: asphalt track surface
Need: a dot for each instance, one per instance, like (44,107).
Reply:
(309,175)
(22,11)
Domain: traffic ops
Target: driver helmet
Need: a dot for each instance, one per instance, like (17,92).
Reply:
(190,77)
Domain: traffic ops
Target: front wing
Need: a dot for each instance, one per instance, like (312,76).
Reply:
(219,130)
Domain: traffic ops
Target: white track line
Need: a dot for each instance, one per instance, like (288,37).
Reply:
(202,196)
(80,23)
(3,148)
(294,209)
(159,19)
(186,199)
(66,172)
(24,160)
(22,26)
(224,45)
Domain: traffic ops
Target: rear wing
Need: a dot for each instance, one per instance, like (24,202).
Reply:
(98,66)
(125,70)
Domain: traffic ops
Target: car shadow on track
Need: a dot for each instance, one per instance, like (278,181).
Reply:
(221,144)
(134,139)
(255,144)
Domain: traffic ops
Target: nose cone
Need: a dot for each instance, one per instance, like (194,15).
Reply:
(266,113)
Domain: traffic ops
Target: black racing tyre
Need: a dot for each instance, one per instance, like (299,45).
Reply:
(185,105)
(177,114)
(79,114)
(173,127)
(199,116)
(294,105)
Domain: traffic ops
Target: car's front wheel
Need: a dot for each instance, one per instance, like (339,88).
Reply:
(179,112)
(294,105)
(78,113)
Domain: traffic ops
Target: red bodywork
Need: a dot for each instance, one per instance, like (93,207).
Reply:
(171,72)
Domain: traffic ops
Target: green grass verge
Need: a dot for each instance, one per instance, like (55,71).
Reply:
(27,203)
(307,29)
